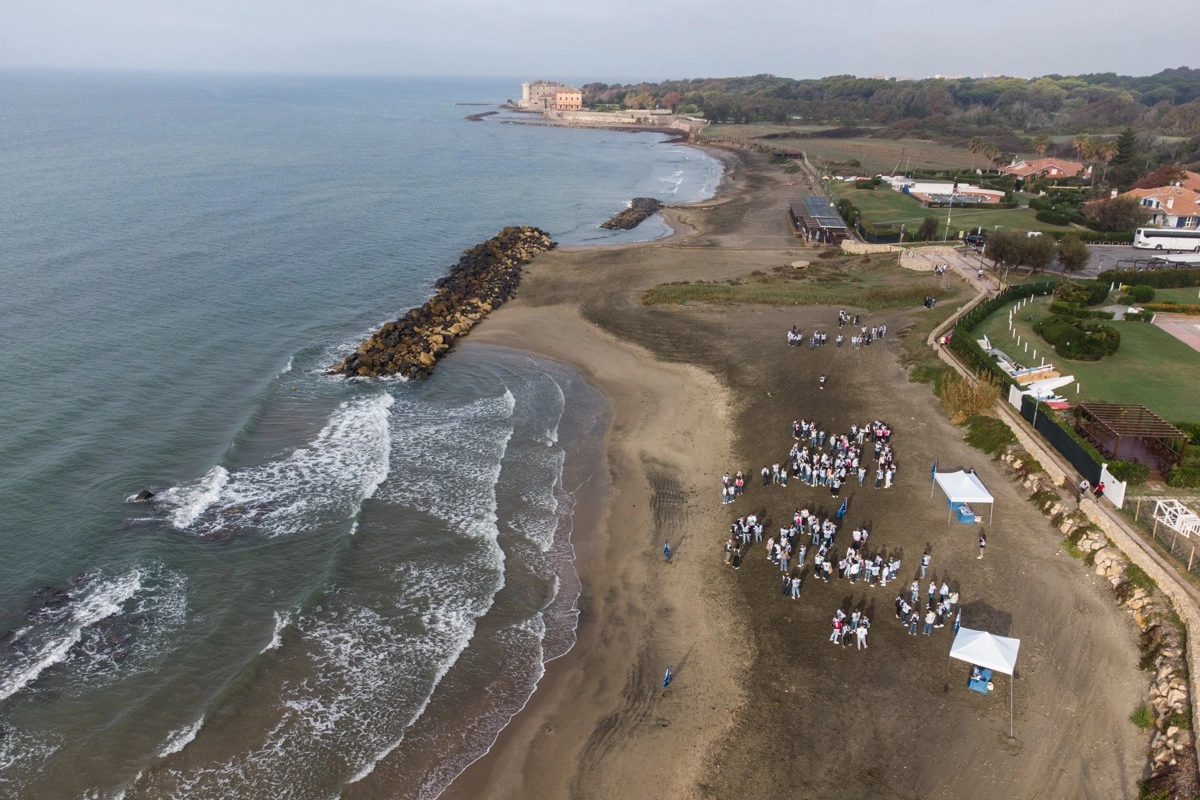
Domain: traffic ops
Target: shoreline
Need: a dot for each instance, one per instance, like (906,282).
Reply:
(697,390)
(556,720)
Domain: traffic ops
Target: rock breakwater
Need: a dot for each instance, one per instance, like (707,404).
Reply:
(483,279)
(630,218)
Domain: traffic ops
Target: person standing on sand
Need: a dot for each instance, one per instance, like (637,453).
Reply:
(930,618)
(861,633)
(926,559)
(982,543)
(916,589)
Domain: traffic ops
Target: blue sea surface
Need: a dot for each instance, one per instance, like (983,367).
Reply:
(334,575)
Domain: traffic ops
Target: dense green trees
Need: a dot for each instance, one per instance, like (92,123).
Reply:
(1168,102)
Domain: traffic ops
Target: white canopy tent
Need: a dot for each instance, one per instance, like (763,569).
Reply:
(997,653)
(964,487)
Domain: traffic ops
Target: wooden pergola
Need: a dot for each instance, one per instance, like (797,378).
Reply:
(1131,432)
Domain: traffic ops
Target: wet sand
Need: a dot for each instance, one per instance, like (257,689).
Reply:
(762,705)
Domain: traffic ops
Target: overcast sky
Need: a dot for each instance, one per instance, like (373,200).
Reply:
(606,40)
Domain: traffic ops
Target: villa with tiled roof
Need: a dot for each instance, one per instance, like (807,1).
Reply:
(1169,206)
(1046,168)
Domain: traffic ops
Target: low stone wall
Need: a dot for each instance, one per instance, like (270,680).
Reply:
(1173,759)
(855,247)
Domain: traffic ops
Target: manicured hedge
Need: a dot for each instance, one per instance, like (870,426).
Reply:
(1052,217)
(1077,312)
(1083,293)
(963,343)
(1078,340)
(1141,293)
(1171,308)
(1158,278)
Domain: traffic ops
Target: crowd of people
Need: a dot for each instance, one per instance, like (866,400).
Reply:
(941,603)
(818,459)
(812,544)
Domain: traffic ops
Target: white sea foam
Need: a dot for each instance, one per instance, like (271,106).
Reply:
(447,460)
(333,474)
(180,738)
(187,503)
(23,753)
(281,622)
(288,366)
(49,644)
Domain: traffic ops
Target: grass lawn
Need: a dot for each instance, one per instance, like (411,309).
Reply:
(883,207)
(756,130)
(885,156)
(873,283)
(1187,295)
(1152,367)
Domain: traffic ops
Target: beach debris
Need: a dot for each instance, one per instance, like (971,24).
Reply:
(630,218)
(485,277)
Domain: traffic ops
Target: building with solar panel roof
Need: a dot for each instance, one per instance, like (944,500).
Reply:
(816,220)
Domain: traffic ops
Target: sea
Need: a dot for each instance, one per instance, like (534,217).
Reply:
(341,588)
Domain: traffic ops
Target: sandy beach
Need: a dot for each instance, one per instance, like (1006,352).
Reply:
(762,705)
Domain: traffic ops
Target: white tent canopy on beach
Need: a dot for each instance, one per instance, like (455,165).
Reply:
(983,649)
(986,650)
(965,487)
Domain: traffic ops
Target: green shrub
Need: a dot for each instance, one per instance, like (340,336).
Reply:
(1139,316)
(1141,293)
(1077,340)
(1082,293)
(1130,472)
(1143,717)
(1077,311)
(989,434)
(1052,217)
(1192,429)
(1138,577)
(1184,477)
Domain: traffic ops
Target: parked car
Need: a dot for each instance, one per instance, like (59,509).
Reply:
(975,240)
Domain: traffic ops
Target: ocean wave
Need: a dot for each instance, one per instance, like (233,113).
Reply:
(369,673)
(341,467)
(181,738)
(281,622)
(446,461)
(103,624)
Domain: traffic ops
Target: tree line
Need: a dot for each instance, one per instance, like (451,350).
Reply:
(1009,109)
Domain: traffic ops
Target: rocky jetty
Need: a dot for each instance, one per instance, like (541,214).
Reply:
(483,279)
(639,209)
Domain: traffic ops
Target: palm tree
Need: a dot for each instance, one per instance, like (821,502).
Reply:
(975,146)
(1106,151)
(1041,144)
(991,151)
(1084,147)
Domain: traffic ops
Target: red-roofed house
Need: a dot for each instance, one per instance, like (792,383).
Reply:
(1191,180)
(1046,168)
(1169,206)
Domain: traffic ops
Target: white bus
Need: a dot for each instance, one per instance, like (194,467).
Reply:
(1167,239)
